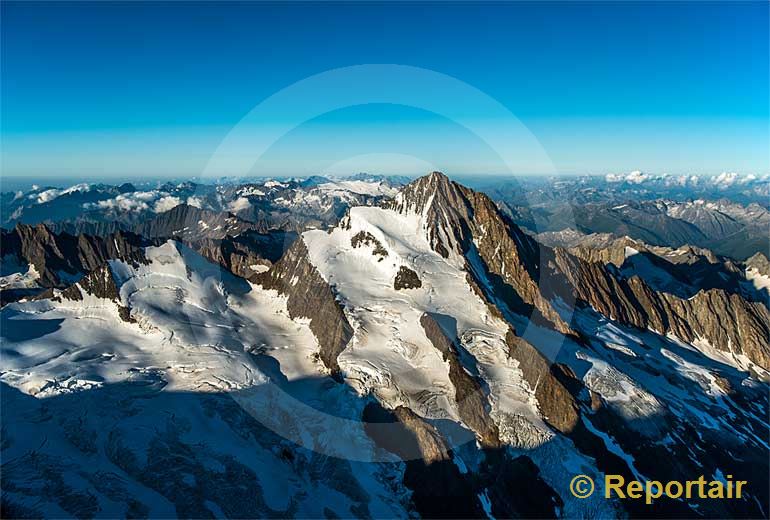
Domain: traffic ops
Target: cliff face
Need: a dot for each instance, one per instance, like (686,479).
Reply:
(556,403)
(247,254)
(309,296)
(185,222)
(471,401)
(100,283)
(726,321)
(60,257)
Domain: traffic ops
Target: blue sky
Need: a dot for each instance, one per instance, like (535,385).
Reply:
(112,89)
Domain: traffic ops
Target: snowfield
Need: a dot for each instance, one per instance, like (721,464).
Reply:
(196,333)
(390,354)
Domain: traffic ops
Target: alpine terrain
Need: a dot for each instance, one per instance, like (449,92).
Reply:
(374,348)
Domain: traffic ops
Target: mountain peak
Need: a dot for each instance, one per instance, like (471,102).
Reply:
(432,190)
(435,180)
(438,176)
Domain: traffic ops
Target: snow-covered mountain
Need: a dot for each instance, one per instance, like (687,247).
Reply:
(421,357)
(290,205)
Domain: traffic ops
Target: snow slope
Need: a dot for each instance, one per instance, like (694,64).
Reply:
(211,364)
(390,354)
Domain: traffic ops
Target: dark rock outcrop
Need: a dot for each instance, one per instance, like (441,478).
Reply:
(243,254)
(60,258)
(99,283)
(439,490)
(556,403)
(190,223)
(406,279)
(470,397)
(364,238)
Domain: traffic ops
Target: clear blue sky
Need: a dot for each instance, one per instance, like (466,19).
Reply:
(145,88)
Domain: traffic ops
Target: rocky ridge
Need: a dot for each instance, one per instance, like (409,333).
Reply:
(60,258)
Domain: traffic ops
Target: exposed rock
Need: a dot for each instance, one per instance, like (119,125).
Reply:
(99,283)
(364,238)
(471,401)
(60,258)
(613,252)
(726,321)
(309,296)
(405,434)
(406,279)
(556,403)
(190,223)
(760,263)
(247,254)
(682,271)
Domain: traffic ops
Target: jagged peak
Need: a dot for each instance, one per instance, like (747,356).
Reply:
(40,227)
(429,190)
(437,176)
(434,180)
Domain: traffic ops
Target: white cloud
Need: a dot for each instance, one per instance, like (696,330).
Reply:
(681,180)
(194,201)
(54,193)
(725,179)
(637,177)
(134,202)
(239,204)
(166,203)
(122,203)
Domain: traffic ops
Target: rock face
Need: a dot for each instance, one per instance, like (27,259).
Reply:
(309,296)
(243,248)
(440,490)
(190,223)
(99,283)
(760,263)
(469,224)
(406,279)
(683,271)
(247,254)
(556,403)
(725,321)
(59,258)
(471,401)
(404,433)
